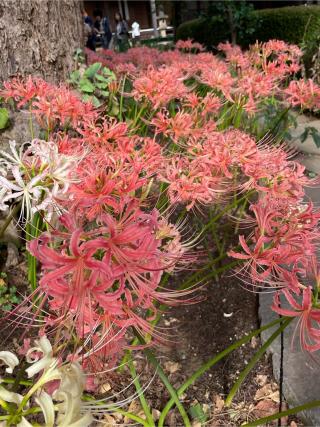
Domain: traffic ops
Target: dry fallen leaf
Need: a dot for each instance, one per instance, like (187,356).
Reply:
(267,392)
(136,409)
(155,414)
(293,424)
(104,388)
(265,408)
(172,367)
(261,380)
(108,421)
(254,342)
(219,403)
(196,424)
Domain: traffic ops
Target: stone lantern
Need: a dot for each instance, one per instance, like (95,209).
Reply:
(162,23)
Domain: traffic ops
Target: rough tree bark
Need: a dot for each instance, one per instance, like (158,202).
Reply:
(39,37)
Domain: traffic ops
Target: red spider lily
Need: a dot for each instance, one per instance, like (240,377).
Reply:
(99,278)
(269,171)
(306,312)
(51,105)
(177,127)
(303,93)
(284,239)
(189,45)
(24,90)
(159,87)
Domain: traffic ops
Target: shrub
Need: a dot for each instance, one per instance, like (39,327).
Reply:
(207,31)
(293,24)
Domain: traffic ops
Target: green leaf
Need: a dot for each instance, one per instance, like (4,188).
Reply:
(101,85)
(101,78)
(86,86)
(114,110)
(4,118)
(92,70)
(243,375)
(316,138)
(106,71)
(197,413)
(104,93)
(75,76)
(87,98)
(95,101)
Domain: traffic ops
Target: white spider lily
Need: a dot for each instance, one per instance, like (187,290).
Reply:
(10,396)
(15,157)
(69,412)
(10,360)
(57,165)
(45,362)
(69,393)
(24,423)
(29,191)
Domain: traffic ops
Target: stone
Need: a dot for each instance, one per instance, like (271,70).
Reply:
(300,370)
(19,129)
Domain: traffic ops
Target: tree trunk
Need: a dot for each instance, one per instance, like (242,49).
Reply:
(39,37)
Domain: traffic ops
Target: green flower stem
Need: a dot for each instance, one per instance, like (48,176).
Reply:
(12,381)
(137,116)
(254,360)
(33,230)
(295,410)
(225,210)
(121,100)
(205,367)
(30,121)
(139,389)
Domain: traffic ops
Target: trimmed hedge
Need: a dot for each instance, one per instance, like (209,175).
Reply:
(293,24)
(206,31)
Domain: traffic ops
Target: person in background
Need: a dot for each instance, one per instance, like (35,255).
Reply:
(106,32)
(135,33)
(90,39)
(121,33)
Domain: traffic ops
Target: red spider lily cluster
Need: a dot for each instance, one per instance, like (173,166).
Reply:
(104,189)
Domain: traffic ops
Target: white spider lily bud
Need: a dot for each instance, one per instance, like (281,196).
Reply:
(44,400)
(10,360)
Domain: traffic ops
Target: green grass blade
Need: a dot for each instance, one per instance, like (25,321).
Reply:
(255,359)
(295,410)
(170,388)
(139,389)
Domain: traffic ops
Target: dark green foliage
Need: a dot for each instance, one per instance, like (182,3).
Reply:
(236,16)
(294,24)
(207,31)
